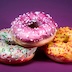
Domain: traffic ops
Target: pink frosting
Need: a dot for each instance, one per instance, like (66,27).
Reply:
(45,28)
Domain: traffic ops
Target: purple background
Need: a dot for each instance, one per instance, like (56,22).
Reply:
(60,10)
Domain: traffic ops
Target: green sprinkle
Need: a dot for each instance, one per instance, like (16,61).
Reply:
(4,35)
(3,50)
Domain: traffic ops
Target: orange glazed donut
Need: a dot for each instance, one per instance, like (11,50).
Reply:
(60,49)
(33,29)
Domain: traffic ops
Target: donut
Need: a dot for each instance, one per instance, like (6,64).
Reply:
(33,29)
(60,48)
(5,34)
(12,53)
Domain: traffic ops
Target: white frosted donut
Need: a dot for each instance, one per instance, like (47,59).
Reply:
(11,53)
(15,54)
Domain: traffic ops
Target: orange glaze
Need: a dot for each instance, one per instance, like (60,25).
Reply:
(60,49)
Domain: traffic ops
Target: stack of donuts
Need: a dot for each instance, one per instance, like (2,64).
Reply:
(33,30)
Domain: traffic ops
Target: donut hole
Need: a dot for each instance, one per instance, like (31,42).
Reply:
(33,25)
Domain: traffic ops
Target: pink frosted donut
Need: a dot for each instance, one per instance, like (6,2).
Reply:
(33,29)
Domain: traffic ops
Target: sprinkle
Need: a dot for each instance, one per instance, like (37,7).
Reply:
(19,23)
(37,12)
(43,12)
(51,34)
(19,29)
(27,36)
(16,19)
(31,39)
(56,24)
(48,16)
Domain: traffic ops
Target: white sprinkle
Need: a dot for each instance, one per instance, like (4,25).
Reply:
(33,32)
(28,13)
(33,20)
(48,16)
(37,12)
(22,59)
(49,29)
(15,27)
(51,34)
(20,38)
(35,17)
(20,26)
(31,39)
(43,13)
(40,33)
(44,19)
(13,56)
(56,25)
(19,22)
(35,40)
(27,20)
(53,27)
(19,29)
(14,22)
(23,15)
(20,15)
(16,19)
(36,28)
(17,34)
(27,35)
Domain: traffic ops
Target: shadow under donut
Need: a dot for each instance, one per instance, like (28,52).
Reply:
(41,56)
